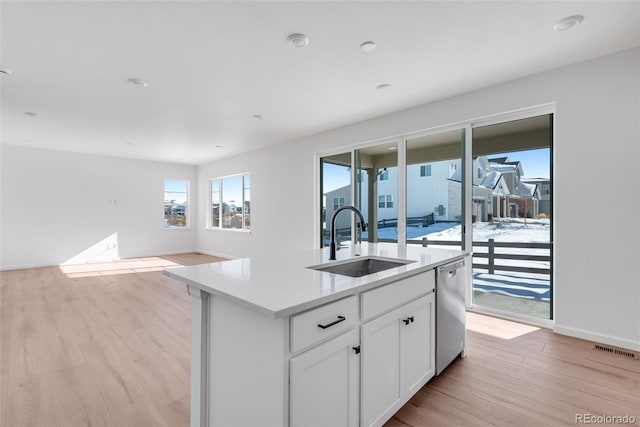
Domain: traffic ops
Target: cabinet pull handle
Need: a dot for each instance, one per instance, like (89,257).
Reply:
(408,320)
(335,322)
(356,349)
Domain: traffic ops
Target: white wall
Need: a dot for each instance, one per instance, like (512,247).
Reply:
(59,206)
(597,148)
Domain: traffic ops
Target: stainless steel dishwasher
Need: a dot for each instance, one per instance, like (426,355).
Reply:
(450,314)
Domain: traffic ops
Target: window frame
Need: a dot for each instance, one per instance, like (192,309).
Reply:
(425,170)
(245,228)
(187,205)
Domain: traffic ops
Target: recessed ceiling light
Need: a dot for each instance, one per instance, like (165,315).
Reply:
(258,117)
(393,147)
(367,46)
(568,23)
(32,114)
(5,71)
(383,87)
(137,82)
(298,40)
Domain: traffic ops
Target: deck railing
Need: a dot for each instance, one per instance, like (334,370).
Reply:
(491,255)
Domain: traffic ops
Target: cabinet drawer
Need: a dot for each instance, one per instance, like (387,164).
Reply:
(388,297)
(323,322)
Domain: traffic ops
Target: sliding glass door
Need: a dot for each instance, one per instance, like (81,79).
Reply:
(489,186)
(377,191)
(512,212)
(435,189)
(335,191)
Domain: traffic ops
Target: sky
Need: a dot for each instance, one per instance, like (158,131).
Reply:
(535,163)
(335,176)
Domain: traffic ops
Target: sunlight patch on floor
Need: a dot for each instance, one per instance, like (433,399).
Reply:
(125,266)
(498,328)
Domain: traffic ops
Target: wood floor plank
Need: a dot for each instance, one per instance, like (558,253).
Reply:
(123,395)
(155,372)
(176,413)
(77,400)
(29,402)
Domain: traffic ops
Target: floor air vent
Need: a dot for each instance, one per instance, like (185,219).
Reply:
(616,351)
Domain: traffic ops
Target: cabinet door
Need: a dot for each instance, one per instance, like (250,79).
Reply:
(381,363)
(323,388)
(418,342)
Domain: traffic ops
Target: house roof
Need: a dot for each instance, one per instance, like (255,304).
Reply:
(336,189)
(499,160)
(502,167)
(491,179)
(527,190)
(535,180)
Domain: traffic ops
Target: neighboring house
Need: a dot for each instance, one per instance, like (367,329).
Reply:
(499,191)
(544,188)
(334,199)
(428,191)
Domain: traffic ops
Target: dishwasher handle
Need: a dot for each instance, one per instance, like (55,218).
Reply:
(450,269)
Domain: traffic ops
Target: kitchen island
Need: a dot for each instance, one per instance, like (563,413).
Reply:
(277,343)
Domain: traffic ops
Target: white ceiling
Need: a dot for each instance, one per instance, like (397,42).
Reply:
(211,66)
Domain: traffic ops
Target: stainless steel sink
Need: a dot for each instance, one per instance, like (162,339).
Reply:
(361,266)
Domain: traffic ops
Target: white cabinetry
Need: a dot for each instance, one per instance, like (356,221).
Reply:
(324,384)
(351,362)
(397,358)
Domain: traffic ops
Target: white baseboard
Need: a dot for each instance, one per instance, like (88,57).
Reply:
(25,266)
(215,254)
(596,337)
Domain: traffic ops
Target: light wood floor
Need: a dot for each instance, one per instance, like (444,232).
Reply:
(108,345)
(518,375)
(96,344)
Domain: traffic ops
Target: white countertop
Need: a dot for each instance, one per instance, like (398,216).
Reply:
(279,286)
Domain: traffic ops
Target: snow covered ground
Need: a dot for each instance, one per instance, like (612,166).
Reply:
(521,285)
(511,230)
(508,230)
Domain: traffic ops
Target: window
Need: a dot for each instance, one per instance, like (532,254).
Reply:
(384,176)
(176,203)
(337,202)
(230,202)
(425,170)
(216,202)
(385,201)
